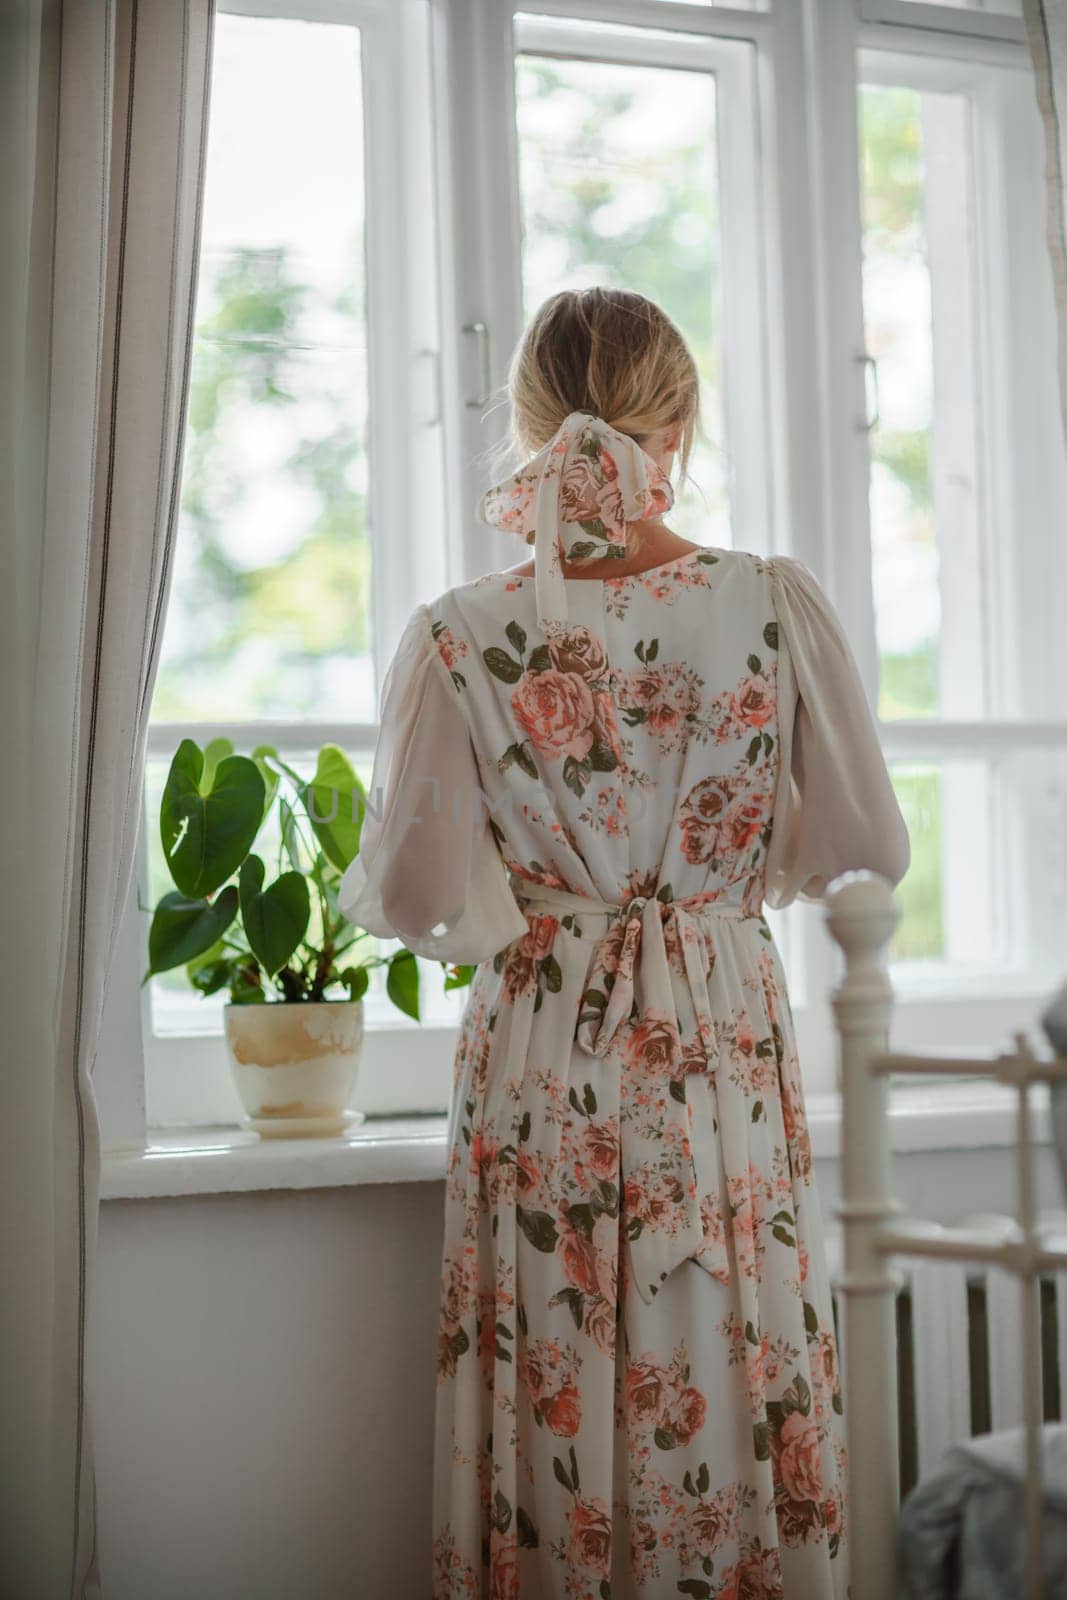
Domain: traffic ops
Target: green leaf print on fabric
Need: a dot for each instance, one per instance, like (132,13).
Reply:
(501,665)
(519,754)
(526,1530)
(538,1227)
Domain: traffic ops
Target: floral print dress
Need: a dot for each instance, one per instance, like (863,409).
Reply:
(638,1392)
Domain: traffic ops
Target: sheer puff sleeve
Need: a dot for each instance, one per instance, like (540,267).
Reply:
(428,871)
(835,808)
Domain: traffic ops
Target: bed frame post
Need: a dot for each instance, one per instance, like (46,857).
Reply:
(862,913)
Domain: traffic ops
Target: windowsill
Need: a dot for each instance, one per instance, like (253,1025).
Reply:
(181,1161)
(412,1149)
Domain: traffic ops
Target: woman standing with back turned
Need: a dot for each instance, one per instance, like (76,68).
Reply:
(596,770)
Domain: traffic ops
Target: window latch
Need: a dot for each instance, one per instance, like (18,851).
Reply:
(871,394)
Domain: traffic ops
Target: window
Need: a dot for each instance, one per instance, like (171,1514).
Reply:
(612,194)
(297,558)
(849,229)
(946,328)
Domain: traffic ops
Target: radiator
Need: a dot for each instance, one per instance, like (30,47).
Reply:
(958,1343)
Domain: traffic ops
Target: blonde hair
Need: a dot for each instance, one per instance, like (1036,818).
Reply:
(610,352)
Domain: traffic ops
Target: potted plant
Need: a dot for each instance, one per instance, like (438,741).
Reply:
(280,945)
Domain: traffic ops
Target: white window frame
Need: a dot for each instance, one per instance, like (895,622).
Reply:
(935,997)
(169,1080)
(807,392)
(914,16)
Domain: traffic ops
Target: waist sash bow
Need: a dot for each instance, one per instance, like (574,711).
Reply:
(630,978)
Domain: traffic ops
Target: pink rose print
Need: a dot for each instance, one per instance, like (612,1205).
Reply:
(589,493)
(710,1522)
(590,1530)
(700,817)
(661,699)
(535,1371)
(577,1255)
(579,651)
(646,1391)
(798,1459)
(600,1142)
(504,1581)
(550,1374)
(652,1043)
(753,703)
(524,957)
(698,841)
(742,825)
(651,1199)
(687,1415)
(754,1577)
(599,1323)
(708,801)
(555,711)
(562,1411)
(450,648)
(662,1399)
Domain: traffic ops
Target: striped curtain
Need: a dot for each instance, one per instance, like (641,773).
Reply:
(1046,25)
(102,121)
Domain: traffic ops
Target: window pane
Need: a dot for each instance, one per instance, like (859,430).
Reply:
(919,292)
(949,910)
(920,934)
(619,181)
(269,611)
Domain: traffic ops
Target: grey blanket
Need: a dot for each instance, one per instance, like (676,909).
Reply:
(962,1533)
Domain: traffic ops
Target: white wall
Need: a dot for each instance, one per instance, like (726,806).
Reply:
(263,1382)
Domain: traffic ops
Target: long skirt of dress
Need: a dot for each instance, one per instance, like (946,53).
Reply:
(591,1445)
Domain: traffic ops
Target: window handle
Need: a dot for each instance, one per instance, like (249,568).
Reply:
(480,331)
(871,392)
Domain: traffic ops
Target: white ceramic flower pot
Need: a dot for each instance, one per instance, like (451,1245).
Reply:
(295,1065)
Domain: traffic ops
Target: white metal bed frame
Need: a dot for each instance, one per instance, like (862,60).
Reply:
(862,913)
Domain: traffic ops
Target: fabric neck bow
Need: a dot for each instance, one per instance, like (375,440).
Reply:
(575,497)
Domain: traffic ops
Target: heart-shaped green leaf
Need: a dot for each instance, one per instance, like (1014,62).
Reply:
(334,801)
(355,980)
(402,983)
(183,928)
(276,918)
(207,832)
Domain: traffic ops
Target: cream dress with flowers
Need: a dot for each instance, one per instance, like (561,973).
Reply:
(638,1390)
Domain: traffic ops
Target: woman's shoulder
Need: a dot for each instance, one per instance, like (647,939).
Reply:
(490,595)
